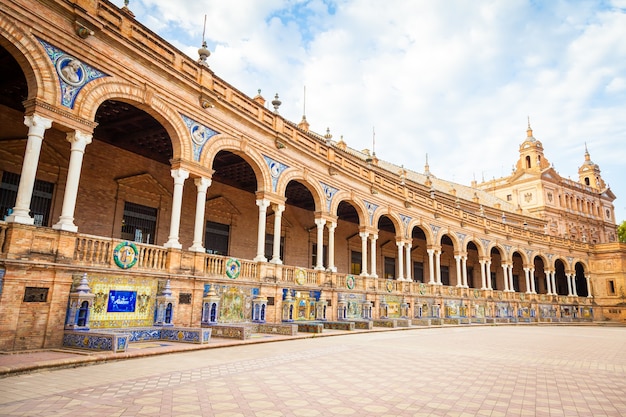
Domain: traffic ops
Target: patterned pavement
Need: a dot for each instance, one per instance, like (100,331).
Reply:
(457,371)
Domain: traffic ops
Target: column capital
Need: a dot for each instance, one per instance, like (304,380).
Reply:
(331,225)
(37,124)
(364,235)
(320,222)
(202,183)
(263,203)
(179,175)
(278,208)
(79,140)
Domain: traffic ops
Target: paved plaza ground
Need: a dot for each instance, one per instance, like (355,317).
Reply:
(454,371)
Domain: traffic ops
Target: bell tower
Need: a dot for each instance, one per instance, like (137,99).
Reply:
(589,173)
(531,154)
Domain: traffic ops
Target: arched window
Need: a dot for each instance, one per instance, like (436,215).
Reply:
(213,312)
(168,313)
(528,161)
(83,313)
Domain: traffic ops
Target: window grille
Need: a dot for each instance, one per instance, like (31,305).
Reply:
(216,237)
(39,205)
(139,223)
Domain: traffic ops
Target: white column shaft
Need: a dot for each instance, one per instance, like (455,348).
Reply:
(400,246)
(511,284)
(483,280)
(79,142)
(431,266)
(459,279)
(260,242)
(488,272)
(407,259)
(464,271)
(553,279)
(278,215)
(527,280)
(331,246)
(438,266)
(37,125)
(532,281)
(373,239)
(320,243)
(363,253)
(179,175)
(202,184)
(505,270)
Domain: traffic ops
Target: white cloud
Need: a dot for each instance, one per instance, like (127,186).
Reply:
(453,79)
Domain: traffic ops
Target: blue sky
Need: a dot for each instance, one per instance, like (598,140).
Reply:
(453,79)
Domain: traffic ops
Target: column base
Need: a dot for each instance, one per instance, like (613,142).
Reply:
(68,227)
(21,219)
(260,258)
(174,244)
(276,261)
(197,247)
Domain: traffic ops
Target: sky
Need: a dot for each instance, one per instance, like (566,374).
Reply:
(457,80)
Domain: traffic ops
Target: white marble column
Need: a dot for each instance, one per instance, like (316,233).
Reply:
(263,204)
(400,246)
(574,290)
(320,244)
(464,270)
(438,266)
(373,239)
(331,246)
(278,215)
(179,175)
(553,279)
(533,290)
(79,142)
(459,278)
(364,236)
(488,273)
(527,279)
(568,278)
(202,185)
(483,280)
(37,125)
(431,266)
(511,285)
(505,270)
(548,282)
(407,260)
(588,286)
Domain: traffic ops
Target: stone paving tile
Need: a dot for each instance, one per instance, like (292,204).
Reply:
(474,371)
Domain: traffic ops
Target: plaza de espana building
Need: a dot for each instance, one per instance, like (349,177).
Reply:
(141,190)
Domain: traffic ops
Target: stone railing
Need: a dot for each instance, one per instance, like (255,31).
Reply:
(95,250)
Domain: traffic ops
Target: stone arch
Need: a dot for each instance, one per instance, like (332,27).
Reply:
(522,253)
(30,54)
(239,147)
(395,220)
(479,245)
(314,187)
(430,238)
(456,244)
(357,204)
(106,88)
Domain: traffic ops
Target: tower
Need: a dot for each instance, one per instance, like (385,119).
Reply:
(531,154)
(589,173)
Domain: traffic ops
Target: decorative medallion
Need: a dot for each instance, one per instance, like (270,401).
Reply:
(350,281)
(125,255)
(422,288)
(233,268)
(405,221)
(73,74)
(476,293)
(389,285)
(500,295)
(200,135)
(329,193)
(371,209)
(300,276)
(276,169)
(521,296)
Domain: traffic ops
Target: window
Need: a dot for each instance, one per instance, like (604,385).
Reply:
(139,223)
(269,247)
(611,287)
(493,281)
(418,271)
(355,262)
(39,204)
(445,275)
(216,238)
(390,267)
(509,197)
(314,255)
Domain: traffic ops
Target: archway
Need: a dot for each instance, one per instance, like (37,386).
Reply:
(388,248)
(560,278)
(580,281)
